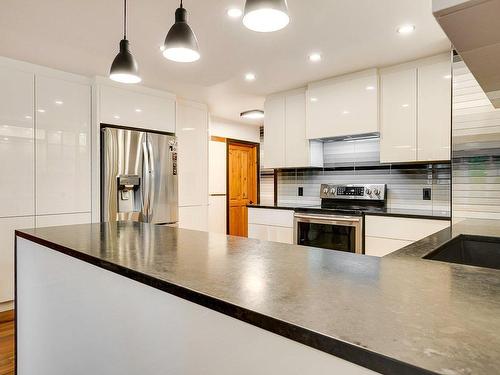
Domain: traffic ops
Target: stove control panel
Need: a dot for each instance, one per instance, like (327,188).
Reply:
(353,191)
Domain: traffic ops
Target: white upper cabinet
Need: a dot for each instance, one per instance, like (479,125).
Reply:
(63,146)
(398,129)
(344,105)
(274,132)
(16,143)
(134,109)
(434,110)
(416,111)
(285,143)
(192,153)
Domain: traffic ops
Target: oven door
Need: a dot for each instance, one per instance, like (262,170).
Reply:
(343,233)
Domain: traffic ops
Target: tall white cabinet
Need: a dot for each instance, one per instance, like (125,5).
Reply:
(192,137)
(416,111)
(285,143)
(45,122)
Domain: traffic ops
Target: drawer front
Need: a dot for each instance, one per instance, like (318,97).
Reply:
(270,233)
(269,216)
(402,228)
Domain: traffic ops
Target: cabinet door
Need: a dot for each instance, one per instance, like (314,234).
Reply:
(7,228)
(57,220)
(16,143)
(129,108)
(62,146)
(434,111)
(192,133)
(379,247)
(296,144)
(343,106)
(274,132)
(398,133)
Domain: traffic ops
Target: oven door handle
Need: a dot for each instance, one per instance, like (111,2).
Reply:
(328,218)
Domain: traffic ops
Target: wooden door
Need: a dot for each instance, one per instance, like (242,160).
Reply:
(242,180)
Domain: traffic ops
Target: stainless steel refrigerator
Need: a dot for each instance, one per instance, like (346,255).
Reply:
(138,176)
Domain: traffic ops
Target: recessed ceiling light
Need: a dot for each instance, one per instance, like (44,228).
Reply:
(253,114)
(28,117)
(313,99)
(116,116)
(138,110)
(59,102)
(448,76)
(315,57)
(345,112)
(6,139)
(187,129)
(234,12)
(41,110)
(250,77)
(405,105)
(405,29)
(370,88)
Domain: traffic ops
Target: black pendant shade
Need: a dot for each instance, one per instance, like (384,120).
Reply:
(181,44)
(124,67)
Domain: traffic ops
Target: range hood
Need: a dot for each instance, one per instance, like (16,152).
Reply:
(473,27)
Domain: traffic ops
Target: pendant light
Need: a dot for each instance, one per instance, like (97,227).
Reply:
(124,67)
(181,44)
(266,15)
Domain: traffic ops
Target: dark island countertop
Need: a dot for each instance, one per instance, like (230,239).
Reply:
(394,315)
(394,212)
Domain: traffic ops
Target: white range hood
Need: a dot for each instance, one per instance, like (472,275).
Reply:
(473,26)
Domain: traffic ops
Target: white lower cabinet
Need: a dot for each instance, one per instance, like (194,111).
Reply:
(194,217)
(270,233)
(7,227)
(67,219)
(385,234)
(270,224)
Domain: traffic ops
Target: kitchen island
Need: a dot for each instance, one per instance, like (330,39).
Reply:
(130,298)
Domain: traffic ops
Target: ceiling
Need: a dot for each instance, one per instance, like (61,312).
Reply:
(82,36)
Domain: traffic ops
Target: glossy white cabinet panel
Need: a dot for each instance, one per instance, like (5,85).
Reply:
(129,108)
(65,219)
(398,131)
(63,180)
(270,233)
(270,216)
(7,227)
(343,105)
(217,214)
(434,110)
(402,228)
(274,132)
(192,136)
(193,217)
(16,143)
(296,144)
(379,247)
(217,167)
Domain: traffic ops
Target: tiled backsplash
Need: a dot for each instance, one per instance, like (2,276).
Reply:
(476,149)
(358,162)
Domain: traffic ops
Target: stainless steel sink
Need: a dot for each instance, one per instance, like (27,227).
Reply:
(470,250)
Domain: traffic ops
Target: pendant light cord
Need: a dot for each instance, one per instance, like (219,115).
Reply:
(124,19)
(181,4)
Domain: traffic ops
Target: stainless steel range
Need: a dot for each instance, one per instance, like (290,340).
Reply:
(338,223)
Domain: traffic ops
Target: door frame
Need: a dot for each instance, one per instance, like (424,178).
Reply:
(230,141)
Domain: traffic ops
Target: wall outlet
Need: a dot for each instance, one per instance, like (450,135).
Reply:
(426,194)
(300,191)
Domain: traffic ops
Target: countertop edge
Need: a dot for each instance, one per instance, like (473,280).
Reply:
(350,352)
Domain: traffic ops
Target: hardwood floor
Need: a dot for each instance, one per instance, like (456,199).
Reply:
(7,342)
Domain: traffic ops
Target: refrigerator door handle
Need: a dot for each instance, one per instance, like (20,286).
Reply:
(146,182)
(151,181)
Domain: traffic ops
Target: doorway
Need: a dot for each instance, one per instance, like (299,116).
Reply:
(242,184)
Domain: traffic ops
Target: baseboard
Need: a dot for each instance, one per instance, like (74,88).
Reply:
(6,306)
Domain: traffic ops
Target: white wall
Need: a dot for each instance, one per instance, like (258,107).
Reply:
(234,130)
